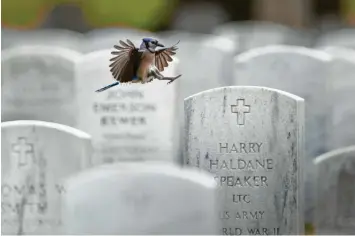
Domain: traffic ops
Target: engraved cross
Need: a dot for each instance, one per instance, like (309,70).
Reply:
(23,150)
(240,109)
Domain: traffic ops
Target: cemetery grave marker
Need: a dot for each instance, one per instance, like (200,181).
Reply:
(38,83)
(129,122)
(251,140)
(140,198)
(340,97)
(335,202)
(297,70)
(36,156)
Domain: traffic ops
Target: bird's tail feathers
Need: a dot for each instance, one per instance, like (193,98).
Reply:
(107,87)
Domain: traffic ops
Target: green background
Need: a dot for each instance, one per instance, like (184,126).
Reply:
(141,14)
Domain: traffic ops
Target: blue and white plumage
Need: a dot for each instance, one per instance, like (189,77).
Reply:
(140,65)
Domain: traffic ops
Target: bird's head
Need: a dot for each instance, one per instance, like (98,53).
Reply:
(150,44)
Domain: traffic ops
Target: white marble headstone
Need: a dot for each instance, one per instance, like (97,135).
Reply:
(140,198)
(35,157)
(205,60)
(38,83)
(335,201)
(128,122)
(251,140)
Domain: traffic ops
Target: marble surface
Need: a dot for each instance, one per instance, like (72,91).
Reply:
(35,157)
(252,140)
(140,198)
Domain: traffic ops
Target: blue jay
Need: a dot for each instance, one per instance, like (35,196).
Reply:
(142,65)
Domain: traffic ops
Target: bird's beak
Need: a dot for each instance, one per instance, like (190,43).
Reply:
(160,45)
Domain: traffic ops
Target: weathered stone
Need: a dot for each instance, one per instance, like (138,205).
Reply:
(251,139)
(36,156)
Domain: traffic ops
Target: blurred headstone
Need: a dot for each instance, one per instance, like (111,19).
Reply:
(251,139)
(341,97)
(205,62)
(102,39)
(35,156)
(252,34)
(298,70)
(129,122)
(140,198)
(42,37)
(38,83)
(341,37)
(335,202)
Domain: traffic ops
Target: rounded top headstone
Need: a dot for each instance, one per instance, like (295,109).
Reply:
(44,124)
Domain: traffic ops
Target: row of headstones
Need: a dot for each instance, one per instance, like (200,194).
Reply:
(44,82)
(45,189)
(246,35)
(251,34)
(136,122)
(249,139)
(56,84)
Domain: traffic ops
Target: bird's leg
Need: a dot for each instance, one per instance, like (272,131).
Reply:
(170,78)
(159,76)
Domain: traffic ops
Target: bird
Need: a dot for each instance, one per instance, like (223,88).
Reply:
(140,65)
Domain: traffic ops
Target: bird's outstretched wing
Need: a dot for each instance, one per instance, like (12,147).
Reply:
(124,62)
(163,56)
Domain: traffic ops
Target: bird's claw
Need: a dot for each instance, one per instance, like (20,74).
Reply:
(173,79)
